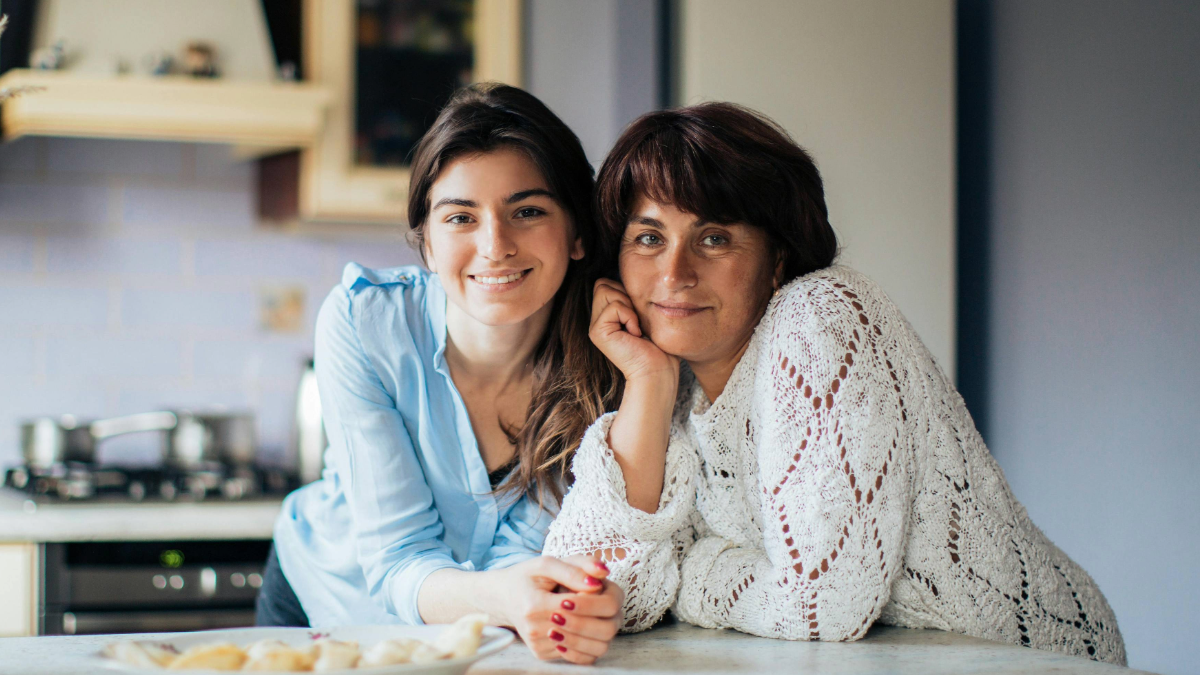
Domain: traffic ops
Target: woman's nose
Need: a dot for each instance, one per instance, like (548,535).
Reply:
(495,239)
(678,271)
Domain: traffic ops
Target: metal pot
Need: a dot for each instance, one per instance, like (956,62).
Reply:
(202,439)
(47,441)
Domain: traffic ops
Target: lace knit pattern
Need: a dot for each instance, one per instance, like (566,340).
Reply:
(838,480)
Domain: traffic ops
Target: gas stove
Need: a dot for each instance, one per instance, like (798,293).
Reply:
(81,481)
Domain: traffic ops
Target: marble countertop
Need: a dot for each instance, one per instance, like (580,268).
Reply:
(25,521)
(680,648)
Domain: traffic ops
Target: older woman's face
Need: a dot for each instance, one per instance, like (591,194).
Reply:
(699,288)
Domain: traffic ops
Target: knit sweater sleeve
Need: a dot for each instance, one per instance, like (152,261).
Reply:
(642,550)
(825,423)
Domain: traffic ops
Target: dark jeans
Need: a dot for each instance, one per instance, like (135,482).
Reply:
(277,604)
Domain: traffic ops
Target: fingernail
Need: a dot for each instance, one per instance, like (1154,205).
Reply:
(568,605)
(592,581)
(601,565)
(561,648)
(556,636)
(558,619)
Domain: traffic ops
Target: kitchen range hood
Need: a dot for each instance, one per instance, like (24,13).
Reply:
(264,115)
(105,80)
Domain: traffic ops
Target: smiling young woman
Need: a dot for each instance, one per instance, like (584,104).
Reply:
(450,414)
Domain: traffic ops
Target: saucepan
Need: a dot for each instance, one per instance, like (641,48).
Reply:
(190,440)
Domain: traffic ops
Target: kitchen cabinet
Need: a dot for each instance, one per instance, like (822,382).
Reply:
(390,65)
(18,589)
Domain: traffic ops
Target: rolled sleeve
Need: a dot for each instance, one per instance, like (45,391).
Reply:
(397,530)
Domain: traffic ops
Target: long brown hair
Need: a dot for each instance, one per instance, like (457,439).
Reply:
(566,400)
(726,164)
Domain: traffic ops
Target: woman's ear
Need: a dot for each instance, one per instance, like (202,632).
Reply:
(577,251)
(777,279)
(429,259)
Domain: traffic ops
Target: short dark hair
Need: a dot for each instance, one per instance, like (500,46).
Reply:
(724,163)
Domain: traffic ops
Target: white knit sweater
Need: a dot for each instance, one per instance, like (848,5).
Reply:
(837,480)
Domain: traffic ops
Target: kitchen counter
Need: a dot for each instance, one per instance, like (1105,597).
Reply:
(24,521)
(679,648)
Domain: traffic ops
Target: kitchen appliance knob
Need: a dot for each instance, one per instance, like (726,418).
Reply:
(159,581)
(167,490)
(208,582)
(255,580)
(137,490)
(237,579)
(176,582)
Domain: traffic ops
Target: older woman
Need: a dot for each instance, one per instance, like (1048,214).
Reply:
(810,470)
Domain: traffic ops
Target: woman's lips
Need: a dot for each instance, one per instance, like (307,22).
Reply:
(498,281)
(677,310)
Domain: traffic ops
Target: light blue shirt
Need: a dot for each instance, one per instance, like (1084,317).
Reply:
(405,491)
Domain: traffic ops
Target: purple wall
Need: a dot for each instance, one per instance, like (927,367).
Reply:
(1094,324)
(130,279)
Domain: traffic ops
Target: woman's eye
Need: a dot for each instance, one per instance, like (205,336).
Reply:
(459,219)
(648,239)
(715,240)
(529,212)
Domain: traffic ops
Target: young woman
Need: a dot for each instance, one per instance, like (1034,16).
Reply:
(450,416)
(817,471)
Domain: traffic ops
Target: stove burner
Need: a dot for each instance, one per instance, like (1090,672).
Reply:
(74,481)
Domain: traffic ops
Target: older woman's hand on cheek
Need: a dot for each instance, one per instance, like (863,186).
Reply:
(562,608)
(642,427)
(617,333)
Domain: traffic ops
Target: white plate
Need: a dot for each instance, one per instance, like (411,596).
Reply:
(494,639)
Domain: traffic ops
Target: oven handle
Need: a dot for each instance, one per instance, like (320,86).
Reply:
(91,623)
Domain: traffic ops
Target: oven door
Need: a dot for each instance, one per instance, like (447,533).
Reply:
(150,587)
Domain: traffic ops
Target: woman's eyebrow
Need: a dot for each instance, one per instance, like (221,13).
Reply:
(647,221)
(526,194)
(454,201)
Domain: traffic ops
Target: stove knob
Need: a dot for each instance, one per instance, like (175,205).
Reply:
(159,581)
(255,580)
(19,477)
(176,582)
(137,490)
(167,490)
(208,582)
(237,579)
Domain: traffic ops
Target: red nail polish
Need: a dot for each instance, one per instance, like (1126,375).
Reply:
(558,619)
(601,565)
(556,636)
(568,605)
(592,581)
(561,648)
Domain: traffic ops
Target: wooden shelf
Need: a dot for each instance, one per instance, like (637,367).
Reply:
(261,115)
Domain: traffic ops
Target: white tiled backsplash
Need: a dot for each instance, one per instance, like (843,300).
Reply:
(131,278)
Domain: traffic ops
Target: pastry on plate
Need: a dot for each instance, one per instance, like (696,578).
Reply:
(219,656)
(334,655)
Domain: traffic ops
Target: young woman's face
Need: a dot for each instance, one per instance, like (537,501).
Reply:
(699,288)
(497,237)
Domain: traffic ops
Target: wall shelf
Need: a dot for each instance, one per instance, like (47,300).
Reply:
(259,117)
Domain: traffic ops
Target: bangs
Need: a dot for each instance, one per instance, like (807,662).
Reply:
(670,167)
(724,164)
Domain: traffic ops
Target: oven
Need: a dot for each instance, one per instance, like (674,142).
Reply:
(152,586)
